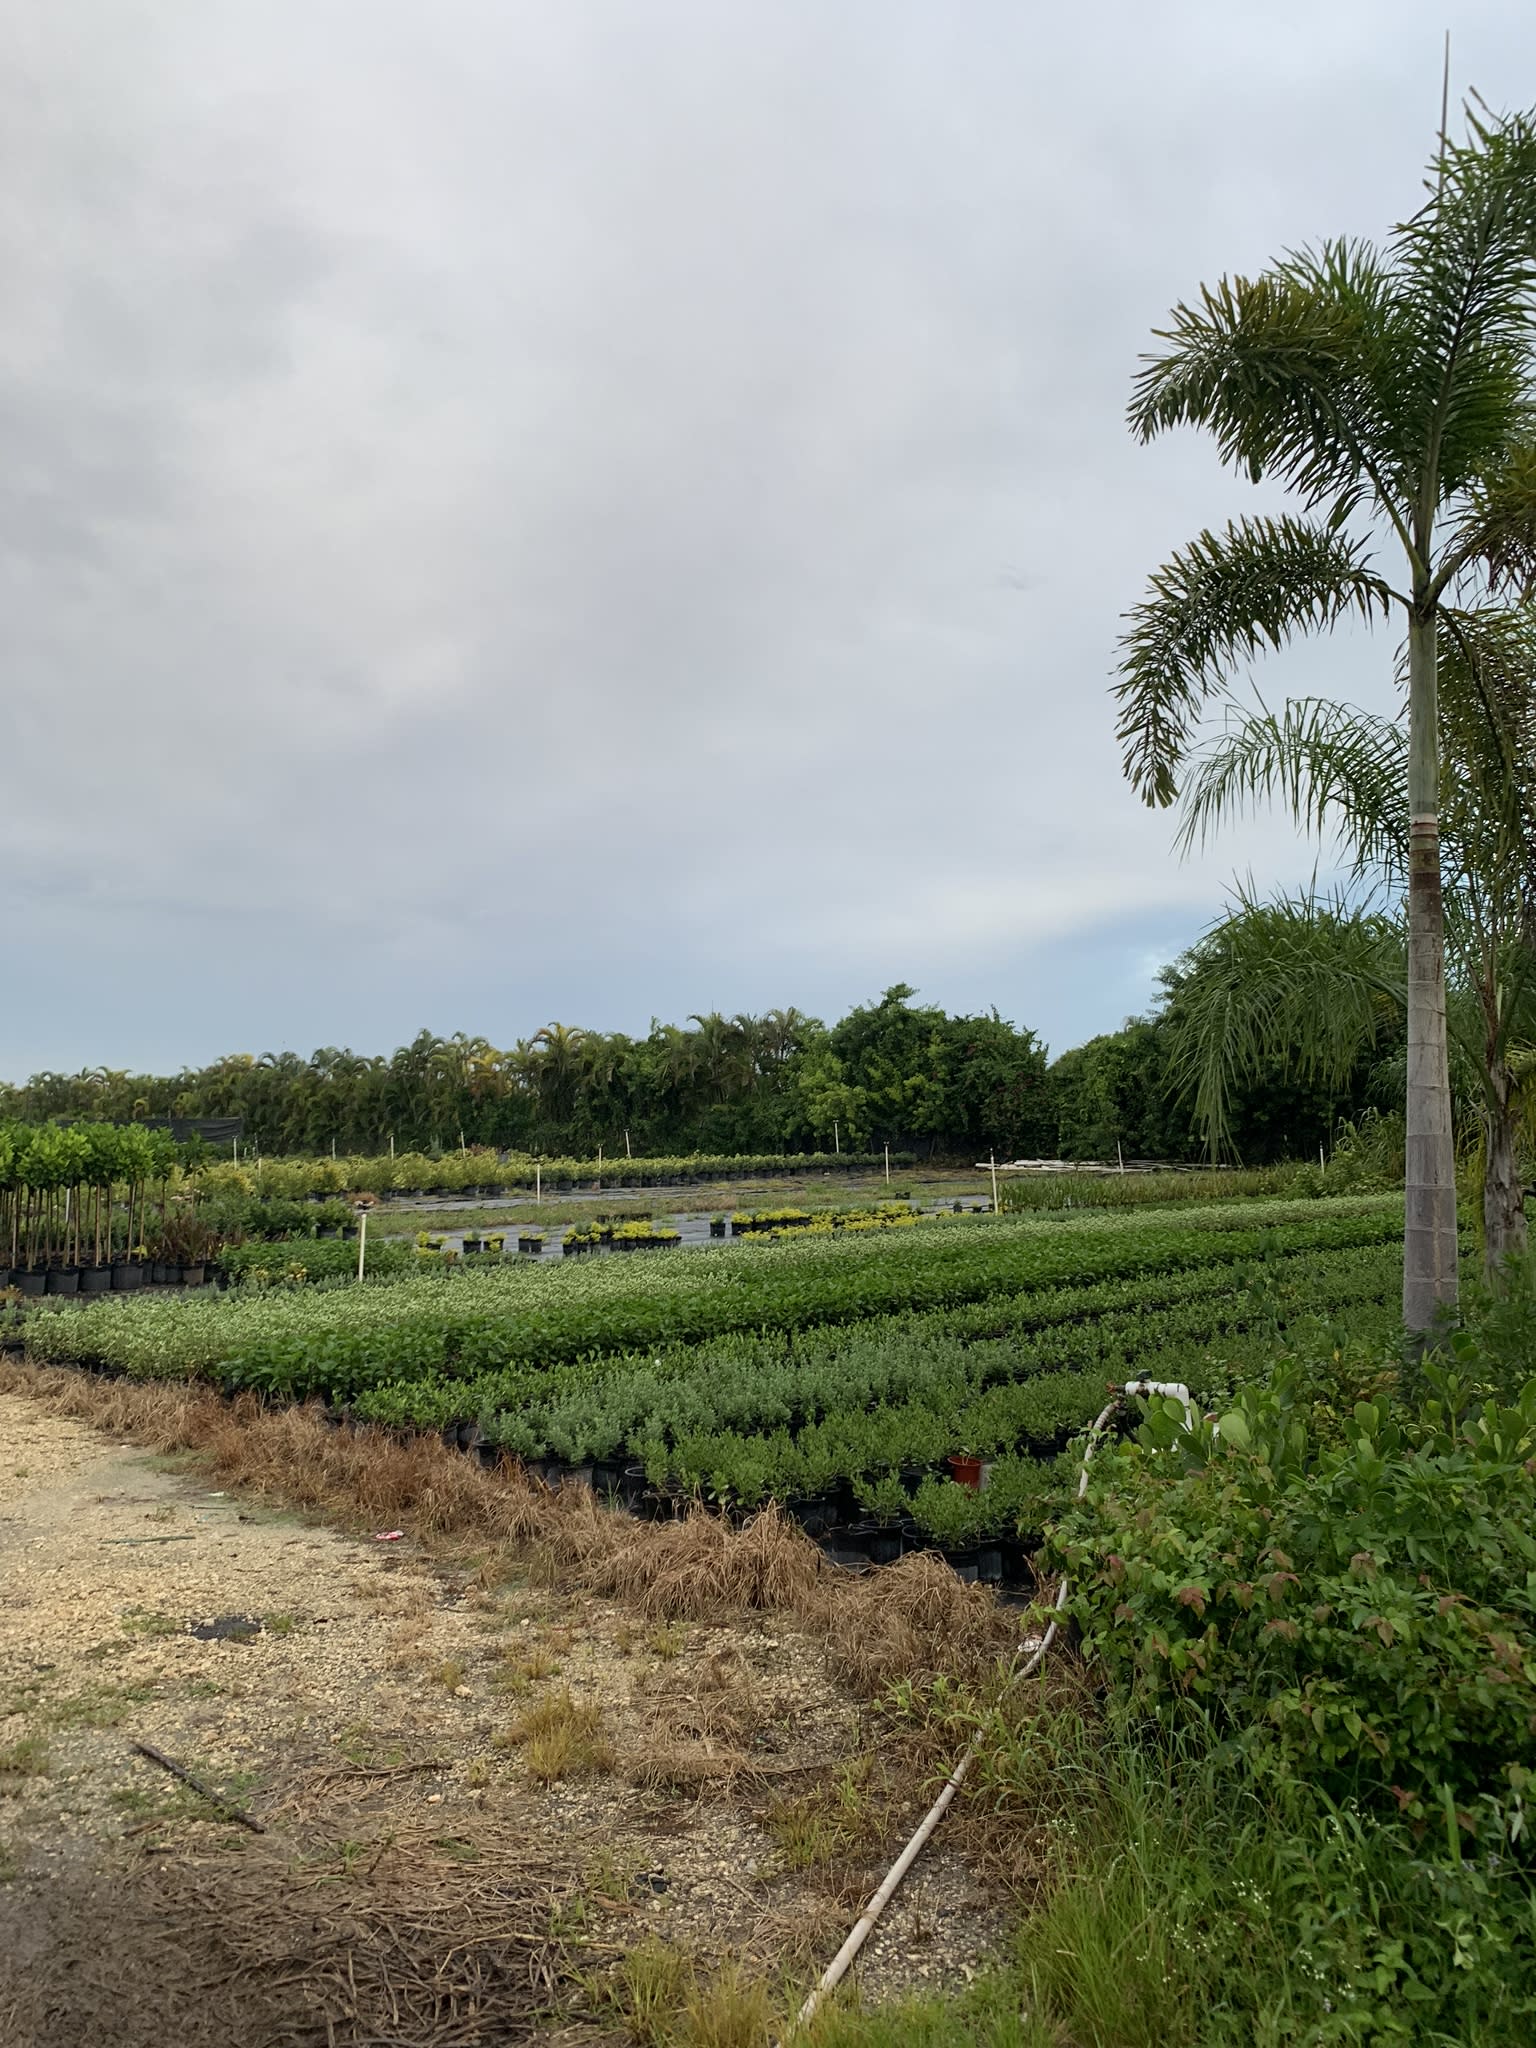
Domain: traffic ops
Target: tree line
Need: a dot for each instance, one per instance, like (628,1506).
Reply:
(894,1071)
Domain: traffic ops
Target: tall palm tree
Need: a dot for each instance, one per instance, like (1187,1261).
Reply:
(1394,391)
(559,1068)
(725,1053)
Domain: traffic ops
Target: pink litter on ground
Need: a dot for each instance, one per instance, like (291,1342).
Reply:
(387,1535)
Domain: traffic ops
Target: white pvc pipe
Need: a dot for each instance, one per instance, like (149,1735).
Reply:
(864,1926)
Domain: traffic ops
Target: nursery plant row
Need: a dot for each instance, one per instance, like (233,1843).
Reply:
(858,1430)
(480,1171)
(976,1396)
(339,1341)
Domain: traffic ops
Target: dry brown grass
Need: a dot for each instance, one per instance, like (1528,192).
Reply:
(698,1730)
(912,1620)
(908,1620)
(701,1568)
(362,1478)
(345,1945)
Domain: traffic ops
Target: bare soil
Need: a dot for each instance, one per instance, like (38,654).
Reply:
(423,1873)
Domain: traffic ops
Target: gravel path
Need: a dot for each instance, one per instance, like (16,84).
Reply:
(345,1664)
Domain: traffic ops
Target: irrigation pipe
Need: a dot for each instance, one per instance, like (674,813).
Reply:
(864,1926)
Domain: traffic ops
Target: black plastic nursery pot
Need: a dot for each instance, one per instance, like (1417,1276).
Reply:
(650,1503)
(876,1542)
(965,1563)
(95,1279)
(62,1280)
(193,1276)
(127,1276)
(632,1483)
(816,1513)
(717,1229)
(30,1284)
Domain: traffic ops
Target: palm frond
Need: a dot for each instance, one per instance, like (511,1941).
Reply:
(1224,597)
(1496,532)
(1304,980)
(1465,266)
(1332,768)
(1283,369)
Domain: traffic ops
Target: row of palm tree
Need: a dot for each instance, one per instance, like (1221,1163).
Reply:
(563,1089)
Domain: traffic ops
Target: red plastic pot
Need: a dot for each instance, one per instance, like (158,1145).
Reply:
(967,1470)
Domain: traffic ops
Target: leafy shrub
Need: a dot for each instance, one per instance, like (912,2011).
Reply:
(1353,1606)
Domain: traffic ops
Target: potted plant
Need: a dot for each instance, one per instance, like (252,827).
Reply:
(966,1468)
(130,1272)
(949,1515)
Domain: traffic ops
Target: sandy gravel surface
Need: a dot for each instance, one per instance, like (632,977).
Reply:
(358,1663)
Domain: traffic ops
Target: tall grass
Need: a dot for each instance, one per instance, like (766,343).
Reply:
(1180,1905)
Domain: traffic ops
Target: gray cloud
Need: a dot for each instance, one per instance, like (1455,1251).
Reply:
(511,510)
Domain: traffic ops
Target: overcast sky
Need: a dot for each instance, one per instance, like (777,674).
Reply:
(517,509)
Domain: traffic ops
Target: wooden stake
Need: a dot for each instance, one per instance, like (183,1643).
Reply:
(887,1165)
(215,1799)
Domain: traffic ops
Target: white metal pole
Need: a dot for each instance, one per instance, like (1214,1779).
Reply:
(362,1240)
(538,1182)
(1120,1155)
(992,1162)
(887,1165)
(837,1144)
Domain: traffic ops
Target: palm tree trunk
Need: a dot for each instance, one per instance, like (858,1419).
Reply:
(1503,1195)
(1429,1236)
